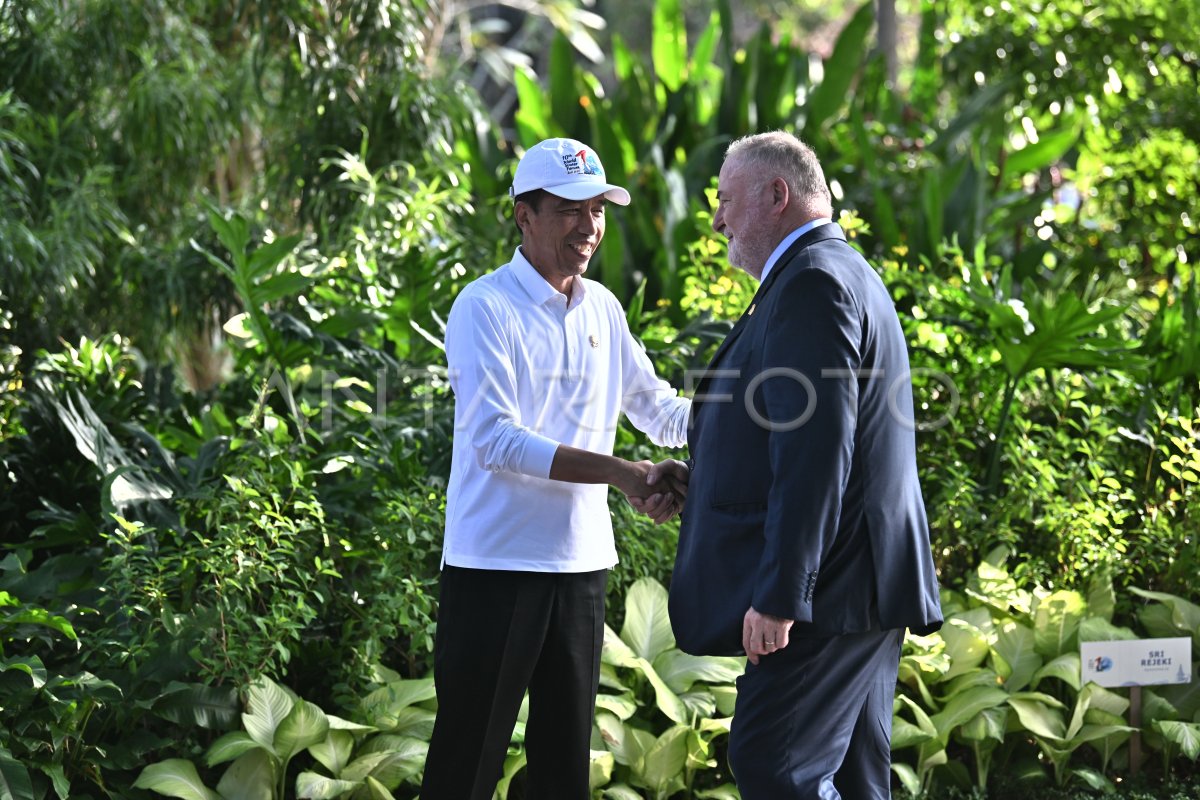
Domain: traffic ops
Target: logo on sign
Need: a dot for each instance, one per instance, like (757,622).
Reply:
(1100,664)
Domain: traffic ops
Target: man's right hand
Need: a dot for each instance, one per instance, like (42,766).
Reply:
(671,475)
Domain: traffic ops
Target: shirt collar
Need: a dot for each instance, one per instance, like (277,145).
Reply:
(538,288)
(789,240)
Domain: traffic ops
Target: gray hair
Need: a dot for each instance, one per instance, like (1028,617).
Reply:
(785,156)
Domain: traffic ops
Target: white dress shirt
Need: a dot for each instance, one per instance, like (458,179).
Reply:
(530,372)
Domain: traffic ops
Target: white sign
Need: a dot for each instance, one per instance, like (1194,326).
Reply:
(1137,662)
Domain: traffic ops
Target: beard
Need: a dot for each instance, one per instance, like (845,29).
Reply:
(750,256)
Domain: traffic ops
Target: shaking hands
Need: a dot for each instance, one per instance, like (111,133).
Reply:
(664,491)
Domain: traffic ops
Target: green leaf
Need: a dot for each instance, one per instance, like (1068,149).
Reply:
(1017,660)
(987,724)
(384,705)
(334,751)
(622,706)
(211,707)
(680,670)
(251,777)
(285,284)
(1185,615)
(964,706)
(600,768)
(175,777)
(402,758)
(1056,623)
(726,791)
(966,646)
(230,746)
(619,738)
(1098,629)
(647,628)
(922,731)
(268,256)
(304,726)
(1066,668)
(669,44)
(841,70)
(377,790)
(321,787)
(1039,718)
(234,233)
(663,762)
(1050,147)
(14,778)
(268,706)
(533,113)
(1184,734)
(908,779)
(30,665)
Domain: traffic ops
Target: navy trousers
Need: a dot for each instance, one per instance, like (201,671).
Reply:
(499,634)
(814,721)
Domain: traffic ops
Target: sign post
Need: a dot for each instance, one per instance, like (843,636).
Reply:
(1136,663)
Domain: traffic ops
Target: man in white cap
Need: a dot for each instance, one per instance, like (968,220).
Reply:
(542,363)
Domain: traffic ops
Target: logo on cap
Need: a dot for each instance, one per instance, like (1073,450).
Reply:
(583,163)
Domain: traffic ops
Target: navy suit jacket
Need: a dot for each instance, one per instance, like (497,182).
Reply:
(803,499)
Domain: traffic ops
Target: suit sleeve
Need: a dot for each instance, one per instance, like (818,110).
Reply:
(807,397)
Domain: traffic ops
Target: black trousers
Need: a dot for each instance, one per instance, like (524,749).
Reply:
(814,721)
(499,634)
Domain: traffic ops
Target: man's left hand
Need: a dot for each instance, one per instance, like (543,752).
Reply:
(763,634)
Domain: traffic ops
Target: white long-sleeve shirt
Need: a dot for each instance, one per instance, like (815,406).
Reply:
(530,372)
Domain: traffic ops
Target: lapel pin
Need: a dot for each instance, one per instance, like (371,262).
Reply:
(751,311)
(593,341)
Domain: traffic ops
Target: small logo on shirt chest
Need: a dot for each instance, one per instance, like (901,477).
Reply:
(594,341)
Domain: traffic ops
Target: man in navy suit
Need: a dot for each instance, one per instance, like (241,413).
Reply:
(804,542)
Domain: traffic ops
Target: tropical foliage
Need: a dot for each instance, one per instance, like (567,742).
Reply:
(230,232)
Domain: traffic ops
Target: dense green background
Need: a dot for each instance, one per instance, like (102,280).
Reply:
(230,233)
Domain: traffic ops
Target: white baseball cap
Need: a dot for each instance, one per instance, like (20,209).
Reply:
(566,168)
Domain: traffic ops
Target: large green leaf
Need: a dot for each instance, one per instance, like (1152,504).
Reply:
(964,706)
(840,72)
(402,758)
(1185,615)
(304,726)
(384,706)
(647,628)
(1185,735)
(1039,717)
(212,707)
(669,44)
(966,646)
(334,751)
(1056,622)
(988,725)
(175,777)
(1049,148)
(661,768)
(619,738)
(1066,668)
(1017,660)
(251,777)
(321,787)
(14,778)
(622,706)
(230,746)
(268,705)
(680,670)
(908,734)
(30,665)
